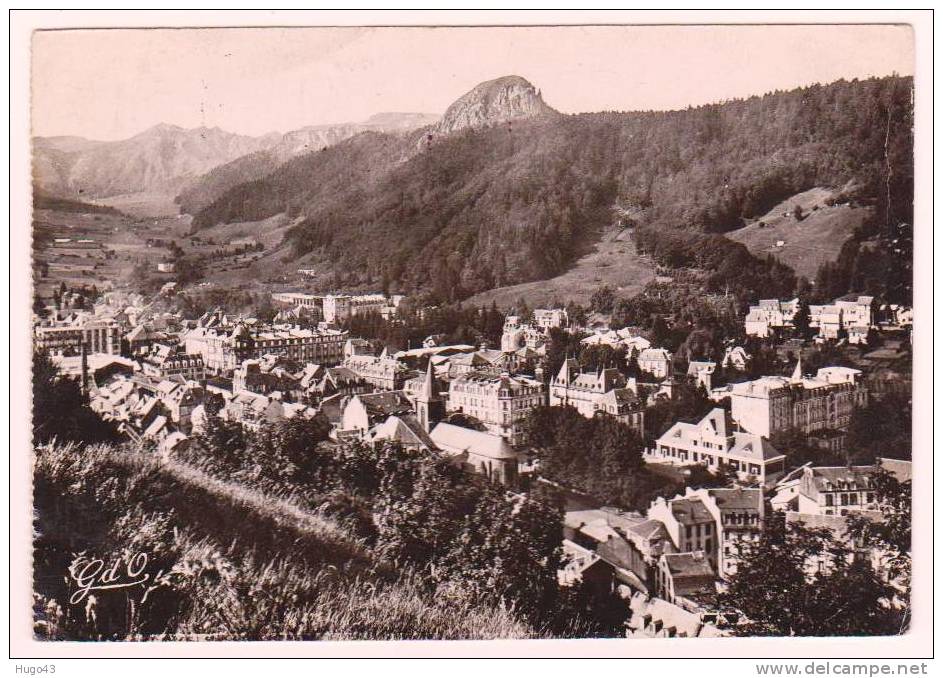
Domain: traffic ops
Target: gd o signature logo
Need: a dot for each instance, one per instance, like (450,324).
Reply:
(92,574)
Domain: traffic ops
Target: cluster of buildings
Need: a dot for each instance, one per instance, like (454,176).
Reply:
(670,559)
(160,378)
(854,317)
(739,439)
(226,342)
(851,319)
(337,309)
(770,316)
(606,391)
(669,562)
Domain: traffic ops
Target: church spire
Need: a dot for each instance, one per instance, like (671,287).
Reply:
(428,384)
(797,373)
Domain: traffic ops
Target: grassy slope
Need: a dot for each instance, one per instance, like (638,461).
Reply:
(612,262)
(334,586)
(808,243)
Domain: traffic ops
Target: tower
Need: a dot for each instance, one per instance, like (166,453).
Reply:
(429,406)
(797,373)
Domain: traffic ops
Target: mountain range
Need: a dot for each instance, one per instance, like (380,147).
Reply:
(169,159)
(503,189)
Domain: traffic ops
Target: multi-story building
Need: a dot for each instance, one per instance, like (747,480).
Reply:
(827,319)
(295,299)
(738,522)
(339,308)
(843,314)
(655,361)
(839,490)
(689,523)
(735,357)
(602,391)
(625,405)
(702,371)
(548,318)
(225,347)
(770,315)
(501,403)
(683,578)
(384,372)
(97,336)
(272,374)
(771,405)
(484,361)
(857,311)
(624,338)
(712,442)
(168,360)
(518,335)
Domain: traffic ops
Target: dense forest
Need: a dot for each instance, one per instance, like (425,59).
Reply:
(512,203)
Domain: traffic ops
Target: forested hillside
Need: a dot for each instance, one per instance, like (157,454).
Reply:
(519,202)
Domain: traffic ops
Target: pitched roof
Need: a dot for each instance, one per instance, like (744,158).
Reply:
(385,403)
(684,565)
(457,439)
(735,499)
(690,511)
(404,429)
(901,469)
(753,448)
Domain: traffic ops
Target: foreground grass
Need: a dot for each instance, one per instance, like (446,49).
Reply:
(230,562)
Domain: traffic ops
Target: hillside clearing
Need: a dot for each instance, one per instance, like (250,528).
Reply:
(807,243)
(613,262)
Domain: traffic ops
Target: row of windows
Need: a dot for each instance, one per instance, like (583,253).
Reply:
(848,499)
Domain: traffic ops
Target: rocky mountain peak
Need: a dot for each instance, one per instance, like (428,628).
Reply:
(493,102)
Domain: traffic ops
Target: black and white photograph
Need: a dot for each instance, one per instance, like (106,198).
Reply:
(446,332)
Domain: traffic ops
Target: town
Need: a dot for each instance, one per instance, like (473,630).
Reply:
(765,428)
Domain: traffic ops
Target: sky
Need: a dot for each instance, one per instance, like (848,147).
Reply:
(112,84)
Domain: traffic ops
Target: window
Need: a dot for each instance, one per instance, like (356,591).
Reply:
(829,500)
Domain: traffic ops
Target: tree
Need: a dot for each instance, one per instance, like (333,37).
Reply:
(800,581)
(221,443)
(801,320)
(507,551)
(420,509)
(599,456)
(881,429)
(290,451)
(891,536)
(39,306)
(603,300)
(690,403)
(800,450)
(60,409)
(601,356)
